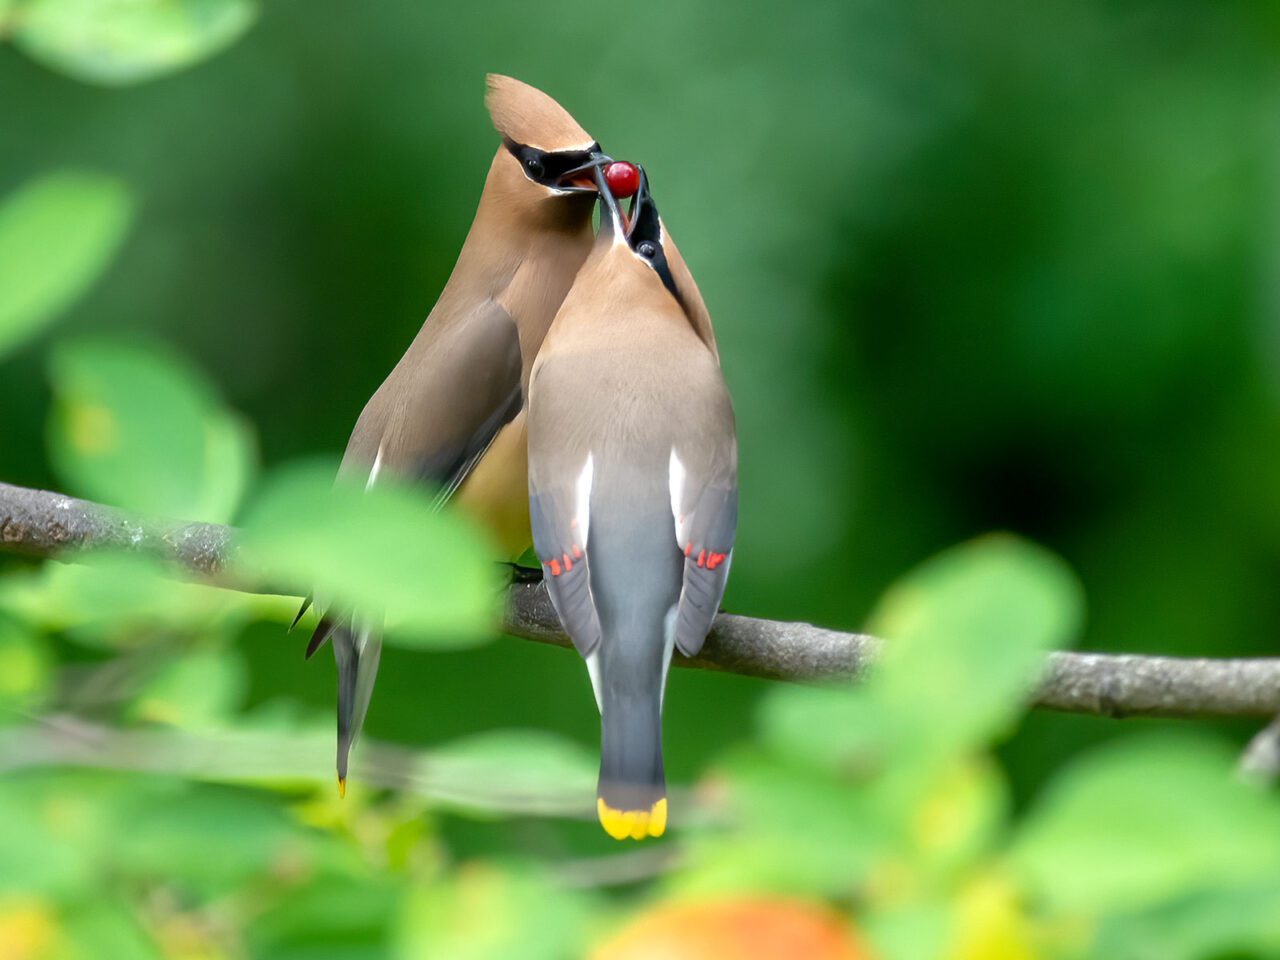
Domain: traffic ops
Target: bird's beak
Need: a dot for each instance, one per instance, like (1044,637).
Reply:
(612,220)
(643,209)
(581,179)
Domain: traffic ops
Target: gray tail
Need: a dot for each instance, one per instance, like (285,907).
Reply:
(631,776)
(356,650)
(636,569)
(631,795)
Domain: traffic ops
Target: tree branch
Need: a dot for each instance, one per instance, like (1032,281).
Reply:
(42,524)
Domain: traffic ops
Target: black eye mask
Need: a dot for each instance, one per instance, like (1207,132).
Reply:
(550,169)
(644,235)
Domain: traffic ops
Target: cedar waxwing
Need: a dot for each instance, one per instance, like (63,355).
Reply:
(451,412)
(632,489)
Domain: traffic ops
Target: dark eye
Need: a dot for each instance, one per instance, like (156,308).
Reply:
(535,168)
(647,250)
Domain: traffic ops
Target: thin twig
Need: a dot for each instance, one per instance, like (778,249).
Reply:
(44,524)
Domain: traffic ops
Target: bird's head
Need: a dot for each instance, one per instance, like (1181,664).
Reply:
(637,242)
(547,160)
(637,234)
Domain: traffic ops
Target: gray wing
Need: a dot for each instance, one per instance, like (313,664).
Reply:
(449,396)
(562,550)
(436,414)
(705,532)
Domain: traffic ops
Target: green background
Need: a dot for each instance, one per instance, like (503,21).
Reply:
(972,267)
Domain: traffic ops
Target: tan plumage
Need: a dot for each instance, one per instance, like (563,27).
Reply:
(527,115)
(633,491)
(449,413)
(694,307)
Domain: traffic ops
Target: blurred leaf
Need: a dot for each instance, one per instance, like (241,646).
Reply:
(989,921)
(36,857)
(967,633)
(1144,820)
(1229,921)
(855,729)
(485,912)
(137,428)
(329,916)
(209,838)
(199,688)
(118,42)
(955,820)
(56,236)
(384,549)
(911,930)
(26,668)
(103,926)
(69,831)
(792,830)
(520,763)
(118,599)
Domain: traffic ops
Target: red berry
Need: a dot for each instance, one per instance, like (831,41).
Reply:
(623,179)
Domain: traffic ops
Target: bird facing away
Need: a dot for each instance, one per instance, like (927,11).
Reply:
(632,489)
(450,414)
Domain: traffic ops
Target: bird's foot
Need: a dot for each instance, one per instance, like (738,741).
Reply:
(521,574)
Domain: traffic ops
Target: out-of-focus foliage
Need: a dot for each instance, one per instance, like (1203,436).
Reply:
(386,548)
(136,428)
(119,42)
(485,911)
(56,235)
(1159,818)
(973,267)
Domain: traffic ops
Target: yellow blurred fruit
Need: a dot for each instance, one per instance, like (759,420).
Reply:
(739,929)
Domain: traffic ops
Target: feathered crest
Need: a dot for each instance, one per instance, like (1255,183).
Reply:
(527,115)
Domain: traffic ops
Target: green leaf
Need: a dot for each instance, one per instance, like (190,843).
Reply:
(1145,820)
(197,689)
(57,234)
(138,428)
(25,668)
(119,42)
(118,600)
(489,913)
(212,838)
(1230,921)
(106,927)
(966,636)
(911,930)
(387,550)
(328,916)
(36,854)
(793,830)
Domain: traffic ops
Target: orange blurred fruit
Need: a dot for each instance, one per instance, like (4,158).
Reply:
(739,929)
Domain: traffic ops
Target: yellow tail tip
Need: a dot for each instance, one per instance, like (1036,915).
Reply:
(636,824)
(342,788)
